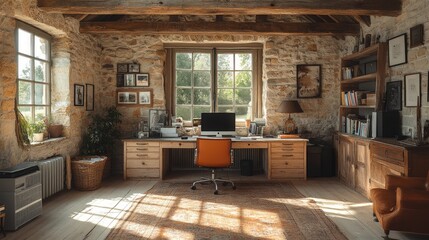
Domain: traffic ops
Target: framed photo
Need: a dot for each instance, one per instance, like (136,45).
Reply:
(122,67)
(142,80)
(89,97)
(120,79)
(134,67)
(398,50)
(394,96)
(145,97)
(157,120)
(308,80)
(412,89)
(79,91)
(129,80)
(126,97)
(371,67)
(416,36)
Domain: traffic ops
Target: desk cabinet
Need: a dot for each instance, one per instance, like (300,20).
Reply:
(142,160)
(288,160)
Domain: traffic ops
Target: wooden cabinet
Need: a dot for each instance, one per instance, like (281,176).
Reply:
(141,159)
(361,166)
(288,160)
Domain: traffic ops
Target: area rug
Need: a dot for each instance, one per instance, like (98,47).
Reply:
(252,211)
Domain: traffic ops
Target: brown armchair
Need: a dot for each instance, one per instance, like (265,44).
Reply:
(403,205)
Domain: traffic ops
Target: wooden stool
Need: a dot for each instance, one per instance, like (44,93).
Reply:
(2,216)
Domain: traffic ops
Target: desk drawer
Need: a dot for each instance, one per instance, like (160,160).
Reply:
(140,144)
(143,173)
(139,163)
(142,149)
(287,144)
(287,164)
(288,149)
(283,173)
(287,155)
(387,153)
(238,145)
(143,155)
(178,145)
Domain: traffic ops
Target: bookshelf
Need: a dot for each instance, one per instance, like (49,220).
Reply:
(361,89)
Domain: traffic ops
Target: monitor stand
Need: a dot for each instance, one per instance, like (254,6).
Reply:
(218,135)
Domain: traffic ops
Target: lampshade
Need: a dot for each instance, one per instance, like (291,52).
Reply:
(290,106)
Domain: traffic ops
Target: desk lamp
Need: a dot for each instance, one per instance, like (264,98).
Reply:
(290,106)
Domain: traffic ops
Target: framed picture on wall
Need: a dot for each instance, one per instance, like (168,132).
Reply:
(126,97)
(308,80)
(79,98)
(398,50)
(412,89)
(157,120)
(145,97)
(416,36)
(134,67)
(142,80)
(122,67)
(120,79)
(394,96)
(129,80)
(89,97)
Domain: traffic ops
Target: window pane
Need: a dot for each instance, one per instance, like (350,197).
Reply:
(198,110)
(225,61)
(184,61)
(24,92)
(24,42)
(243,96)
(201,96)
(183,96)
(26,111)
(243,61)
(202,78)
(225,97)
(225,109)
(40,71)
(24,68)
(243,112)
(225,79)
(184,112)
(40,113)
(183,78)
(202,61)
(41,48)
(243,79)
(40,93)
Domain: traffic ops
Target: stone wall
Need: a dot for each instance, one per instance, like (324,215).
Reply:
(414,12)
(75,60)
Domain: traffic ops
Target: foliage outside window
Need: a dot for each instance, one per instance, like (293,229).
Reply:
(33,77)
(221,85)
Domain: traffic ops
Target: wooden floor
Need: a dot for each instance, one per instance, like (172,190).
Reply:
(90,215)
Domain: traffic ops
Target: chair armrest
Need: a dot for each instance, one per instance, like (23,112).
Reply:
(393,182)
(412,199)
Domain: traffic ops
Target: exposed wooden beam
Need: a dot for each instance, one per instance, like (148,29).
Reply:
(364,20)
(262,28)
(261,18)
(230,7)
(79,17)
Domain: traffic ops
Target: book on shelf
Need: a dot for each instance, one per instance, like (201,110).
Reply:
(353,98)
(357,125)
(1,207)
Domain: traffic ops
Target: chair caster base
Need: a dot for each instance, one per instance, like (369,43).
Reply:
(193,187)
(216,192)
(234,187)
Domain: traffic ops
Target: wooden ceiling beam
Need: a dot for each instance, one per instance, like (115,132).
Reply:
(260,28)
(364,20)
(230,7)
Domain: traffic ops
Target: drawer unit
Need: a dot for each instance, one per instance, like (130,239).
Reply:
(388,153)
(247,145)
(178,145)
(288,160)
(142,159)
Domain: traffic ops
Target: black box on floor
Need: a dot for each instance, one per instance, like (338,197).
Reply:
(246,167)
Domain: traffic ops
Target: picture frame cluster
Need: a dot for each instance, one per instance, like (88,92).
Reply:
(128,80)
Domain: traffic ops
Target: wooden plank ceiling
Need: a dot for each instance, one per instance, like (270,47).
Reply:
(262,17)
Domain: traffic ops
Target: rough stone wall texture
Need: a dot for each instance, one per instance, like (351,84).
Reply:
(75,60)
(414,12)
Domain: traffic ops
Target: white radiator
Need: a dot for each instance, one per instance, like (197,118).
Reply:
(52,172)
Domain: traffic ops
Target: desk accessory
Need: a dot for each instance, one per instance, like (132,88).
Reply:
(290,106)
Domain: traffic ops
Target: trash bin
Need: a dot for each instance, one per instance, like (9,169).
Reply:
(314,160)
(246,167)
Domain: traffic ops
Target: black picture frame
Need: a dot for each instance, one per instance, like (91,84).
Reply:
(79,97)
(370,67)
(394,96)
(397,47)
(412,93)
(120,79)
(133,67)
(309,80)
(142,80)
(122,67)
(416,36)
(89,97)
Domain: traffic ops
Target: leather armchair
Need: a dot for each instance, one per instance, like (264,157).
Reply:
(403,205)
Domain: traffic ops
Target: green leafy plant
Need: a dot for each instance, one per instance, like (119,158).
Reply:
(102,132)
(37,127)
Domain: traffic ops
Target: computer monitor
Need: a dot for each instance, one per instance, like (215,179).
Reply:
(218,124)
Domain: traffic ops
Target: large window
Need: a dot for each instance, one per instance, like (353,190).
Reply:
(215,80)
(33,81)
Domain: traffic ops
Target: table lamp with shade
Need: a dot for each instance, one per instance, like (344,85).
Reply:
(290,106)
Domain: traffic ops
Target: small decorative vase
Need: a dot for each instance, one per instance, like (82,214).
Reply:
(37,137)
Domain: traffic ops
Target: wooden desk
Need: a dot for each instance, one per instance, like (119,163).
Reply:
(147,158)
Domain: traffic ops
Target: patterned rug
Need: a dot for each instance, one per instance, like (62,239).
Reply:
(253,211)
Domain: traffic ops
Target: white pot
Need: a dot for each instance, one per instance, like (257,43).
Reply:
(37,137)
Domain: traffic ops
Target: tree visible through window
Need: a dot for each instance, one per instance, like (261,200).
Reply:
(33,72)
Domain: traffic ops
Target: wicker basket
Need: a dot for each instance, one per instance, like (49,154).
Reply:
(87,175)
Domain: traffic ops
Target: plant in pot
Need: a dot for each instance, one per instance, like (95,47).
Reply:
(36,130)
(54,130)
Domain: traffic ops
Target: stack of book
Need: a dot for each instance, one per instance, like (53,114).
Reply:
(357,125)
(353,98)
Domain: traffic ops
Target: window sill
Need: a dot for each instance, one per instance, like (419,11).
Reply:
(47,141)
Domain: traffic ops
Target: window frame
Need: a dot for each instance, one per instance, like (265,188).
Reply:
(41,34)
(170,69)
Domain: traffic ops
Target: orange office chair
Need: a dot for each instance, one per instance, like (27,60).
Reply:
(213,153)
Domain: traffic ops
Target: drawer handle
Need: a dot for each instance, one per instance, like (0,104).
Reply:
(142,149)
(248,144)
(287,149)
(289,144)
(141,155)
(143,163)
(142,143)
(286,163)
(180,144)
(290,155)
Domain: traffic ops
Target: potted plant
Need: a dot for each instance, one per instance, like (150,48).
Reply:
(54,130)
(36,130)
